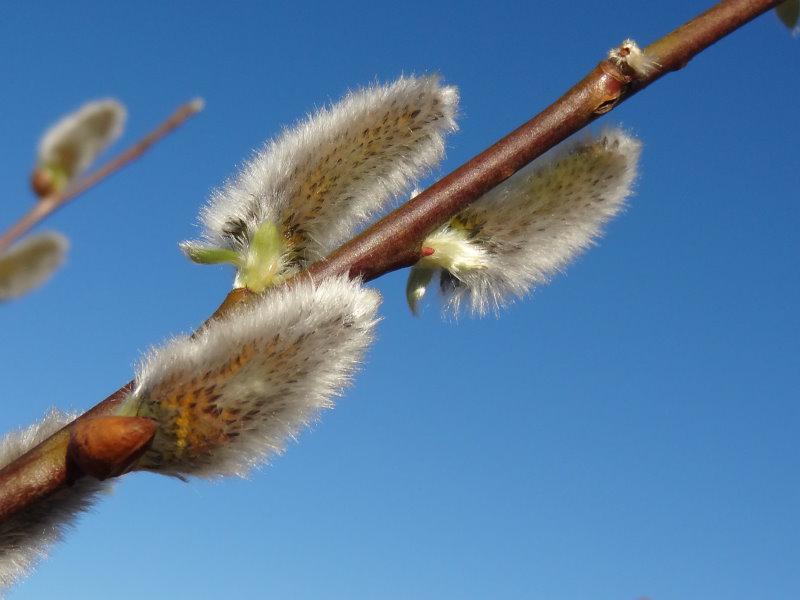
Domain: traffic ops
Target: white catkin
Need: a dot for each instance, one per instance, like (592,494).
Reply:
(30,263)
(73,143)
(230,397)
(324,178)
(26,537)
(532,225)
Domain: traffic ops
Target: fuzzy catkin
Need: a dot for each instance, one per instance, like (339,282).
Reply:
(26,537)
(231,396)
(533,224)
(322,179)
(30,263)
(72,144)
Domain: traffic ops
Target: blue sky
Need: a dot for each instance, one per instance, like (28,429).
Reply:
(627,431)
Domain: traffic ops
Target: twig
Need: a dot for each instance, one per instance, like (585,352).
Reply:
(49,204)
(395,241)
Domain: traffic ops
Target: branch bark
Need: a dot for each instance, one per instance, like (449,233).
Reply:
(395,241)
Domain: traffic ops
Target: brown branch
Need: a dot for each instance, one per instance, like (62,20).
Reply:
(395,241)
(49,204)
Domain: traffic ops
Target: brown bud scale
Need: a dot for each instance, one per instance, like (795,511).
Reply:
(42,183)
(106,447)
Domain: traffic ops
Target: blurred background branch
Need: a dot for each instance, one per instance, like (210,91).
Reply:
(49,203)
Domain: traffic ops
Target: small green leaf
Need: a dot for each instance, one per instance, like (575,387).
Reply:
(418,279)
(789,13)
(209,255)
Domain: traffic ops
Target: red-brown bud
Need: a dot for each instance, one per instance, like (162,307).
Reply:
(42,182)
(106,447)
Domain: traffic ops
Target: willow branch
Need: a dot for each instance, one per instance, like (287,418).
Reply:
(395,241)
(51,203)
